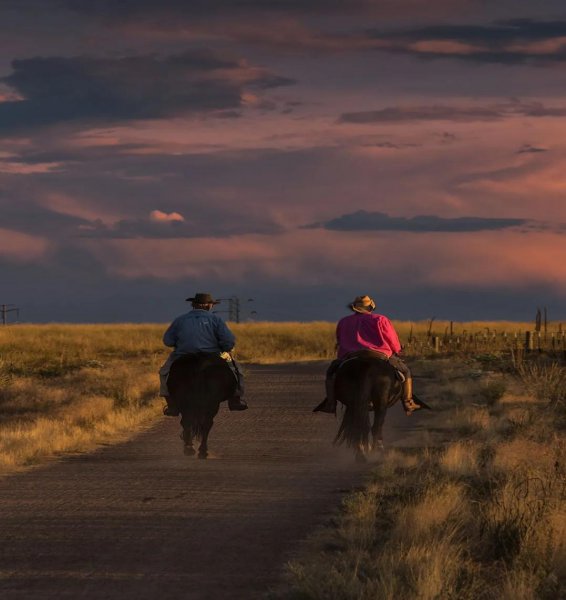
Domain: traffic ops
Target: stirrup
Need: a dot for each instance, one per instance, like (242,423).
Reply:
(236,403)
(326,406)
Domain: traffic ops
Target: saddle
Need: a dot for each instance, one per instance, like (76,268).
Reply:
(201,360)
(375,355)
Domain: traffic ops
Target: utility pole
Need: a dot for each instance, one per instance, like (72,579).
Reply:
(234,308)
(8,308)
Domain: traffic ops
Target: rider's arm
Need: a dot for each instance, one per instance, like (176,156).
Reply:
(389,334)
(170,336)
(226,339)
(337,345)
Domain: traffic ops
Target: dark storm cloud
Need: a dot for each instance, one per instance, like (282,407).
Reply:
(515,41)
(529,149)
(34,219)
(452,113)
(377,221)
(131,9)
(59,89)
(151,229)
(422,113)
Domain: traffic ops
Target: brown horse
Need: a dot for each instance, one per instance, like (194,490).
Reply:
(365,383)
(198,383)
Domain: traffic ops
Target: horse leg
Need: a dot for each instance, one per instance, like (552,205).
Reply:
(361,453)
(203,448)
(377,430)
(187,437)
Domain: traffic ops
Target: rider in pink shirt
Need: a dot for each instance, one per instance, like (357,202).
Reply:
(362,331)
(365,330)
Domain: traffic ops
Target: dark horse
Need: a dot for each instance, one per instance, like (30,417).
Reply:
(365,383)
(198,383)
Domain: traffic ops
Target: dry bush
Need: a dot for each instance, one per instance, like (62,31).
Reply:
(521,452)
(417,520)
(460,459)
(546,382)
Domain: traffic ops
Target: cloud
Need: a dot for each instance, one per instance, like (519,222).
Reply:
(181,9)
(530,149)
(20,247)
(160,216)
(377,221)
(516,41)
(172,225)
(60,89)
(470,113)
(491,259)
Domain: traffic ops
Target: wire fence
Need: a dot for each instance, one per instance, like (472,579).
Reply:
(520,343)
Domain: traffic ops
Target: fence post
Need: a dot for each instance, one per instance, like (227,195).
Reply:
(529,341)
(436,343)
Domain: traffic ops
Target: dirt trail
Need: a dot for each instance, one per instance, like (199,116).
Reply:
(140,520)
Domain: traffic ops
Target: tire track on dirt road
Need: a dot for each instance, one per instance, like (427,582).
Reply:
(141,520)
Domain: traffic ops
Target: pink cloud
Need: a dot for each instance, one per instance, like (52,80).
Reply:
(19,168)
(487,259)
(80,207)
(444,47)
(20,247)
(8,95)
(163,217)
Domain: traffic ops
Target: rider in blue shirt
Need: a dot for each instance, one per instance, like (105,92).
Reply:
(197,331)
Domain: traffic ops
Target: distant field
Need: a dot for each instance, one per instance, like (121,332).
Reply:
(63,347)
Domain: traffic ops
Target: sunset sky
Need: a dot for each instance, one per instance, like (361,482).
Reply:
(297,152)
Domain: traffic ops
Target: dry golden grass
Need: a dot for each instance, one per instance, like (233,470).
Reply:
(67,389)
(481,516)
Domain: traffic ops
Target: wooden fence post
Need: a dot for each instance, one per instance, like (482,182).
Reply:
(529,341)
(436,343)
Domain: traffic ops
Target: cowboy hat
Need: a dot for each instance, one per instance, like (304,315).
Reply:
(202,298)
(362,304)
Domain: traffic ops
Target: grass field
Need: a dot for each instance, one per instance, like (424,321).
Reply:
(478,513)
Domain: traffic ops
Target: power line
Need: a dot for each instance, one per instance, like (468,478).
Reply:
(8,308)
(234,308)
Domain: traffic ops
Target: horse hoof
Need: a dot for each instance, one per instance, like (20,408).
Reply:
(379,446)
(188,451)
(203,455)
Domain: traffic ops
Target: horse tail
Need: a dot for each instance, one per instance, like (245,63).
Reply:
(198,409)
(356,396)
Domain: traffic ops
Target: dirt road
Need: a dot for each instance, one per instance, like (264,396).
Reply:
(140,520)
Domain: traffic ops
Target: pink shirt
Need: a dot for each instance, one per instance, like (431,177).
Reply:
(362,331)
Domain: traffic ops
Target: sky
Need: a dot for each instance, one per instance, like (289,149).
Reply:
(293,153)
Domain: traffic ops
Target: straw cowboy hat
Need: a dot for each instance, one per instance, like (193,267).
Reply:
(362,304)
(201,298)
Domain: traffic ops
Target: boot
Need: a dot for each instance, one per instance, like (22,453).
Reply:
(170,410)
(328,405)
(408,403)
(237,403)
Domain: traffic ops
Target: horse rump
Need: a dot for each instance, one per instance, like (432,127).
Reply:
(352,388)
(198,383)
(361,384)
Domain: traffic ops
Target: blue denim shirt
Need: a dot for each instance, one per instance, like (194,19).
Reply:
(199,331)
